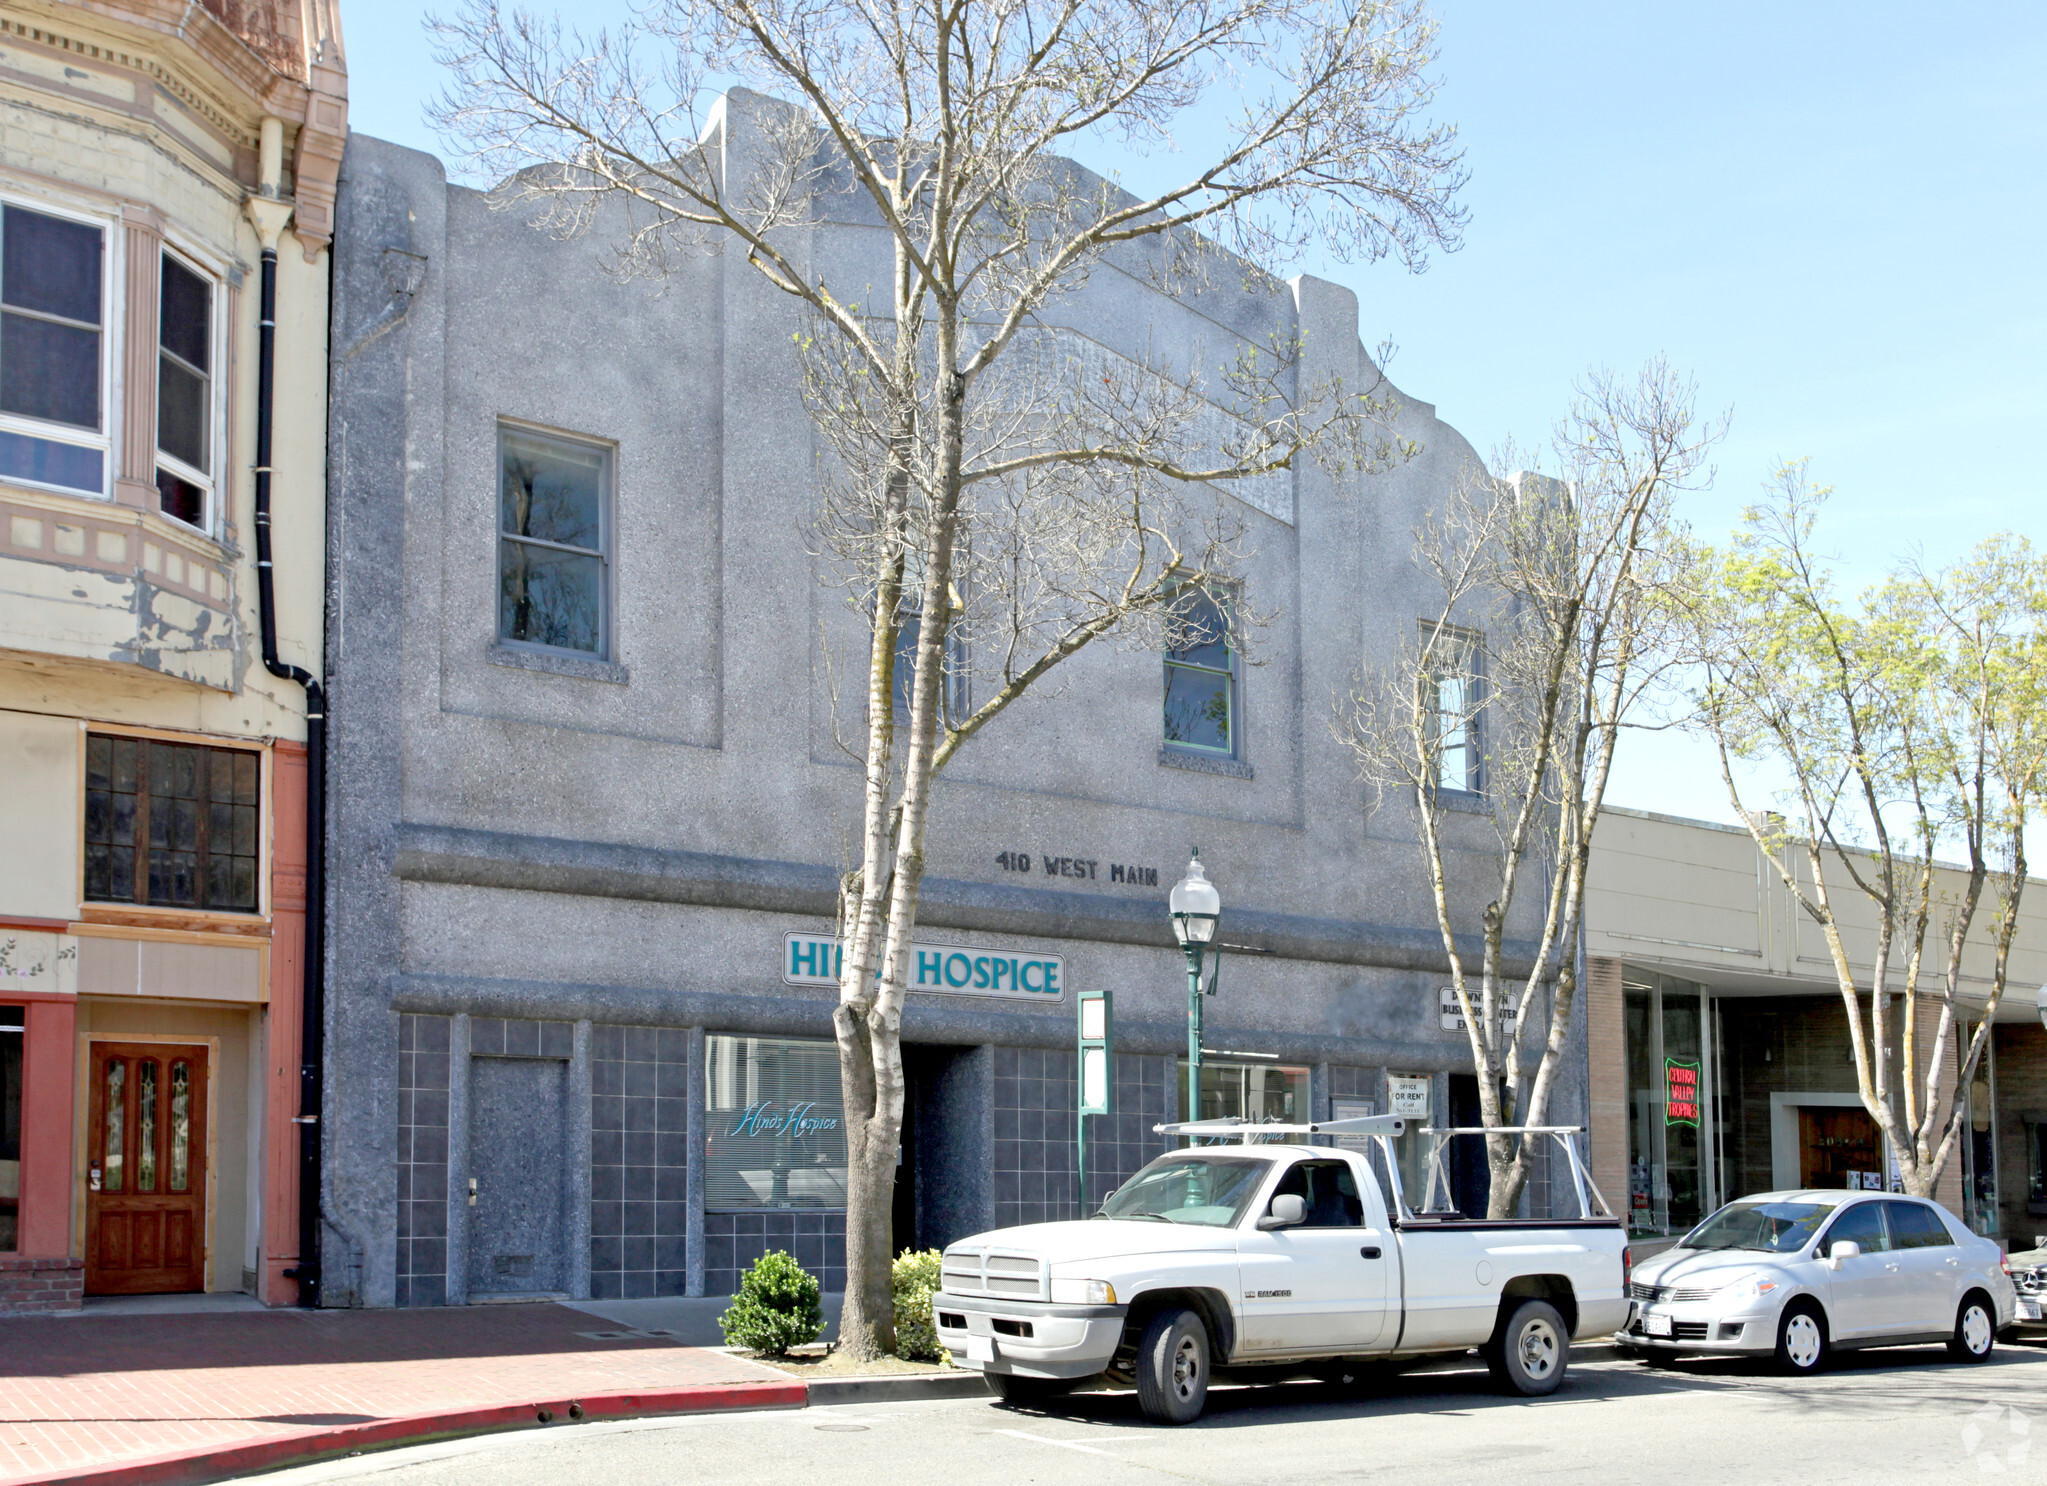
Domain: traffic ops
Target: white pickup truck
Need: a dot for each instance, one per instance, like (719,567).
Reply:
(1258,1260)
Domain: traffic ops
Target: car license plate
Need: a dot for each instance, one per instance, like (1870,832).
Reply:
(1656,1324)
(2029,1310)
(980,1349)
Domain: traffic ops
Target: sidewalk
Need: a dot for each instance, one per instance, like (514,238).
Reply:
(165,1395)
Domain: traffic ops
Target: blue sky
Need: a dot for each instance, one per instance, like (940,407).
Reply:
(1833,216)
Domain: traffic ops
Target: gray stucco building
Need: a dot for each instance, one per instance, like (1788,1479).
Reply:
(588,810)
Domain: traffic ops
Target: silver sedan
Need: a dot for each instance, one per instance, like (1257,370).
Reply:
(1799,1274)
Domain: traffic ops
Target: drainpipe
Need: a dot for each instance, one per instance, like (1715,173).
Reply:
(270,213)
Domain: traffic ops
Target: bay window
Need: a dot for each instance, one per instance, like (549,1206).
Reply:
(184,393)
(52,350)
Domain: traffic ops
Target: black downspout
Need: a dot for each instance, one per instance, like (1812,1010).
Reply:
(313,1008)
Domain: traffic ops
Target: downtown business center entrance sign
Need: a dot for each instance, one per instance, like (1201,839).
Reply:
(942,969)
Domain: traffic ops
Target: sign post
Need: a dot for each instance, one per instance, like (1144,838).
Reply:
(1097,1073)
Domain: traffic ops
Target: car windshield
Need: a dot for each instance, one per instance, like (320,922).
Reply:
(1211,1190)
(1777,1227)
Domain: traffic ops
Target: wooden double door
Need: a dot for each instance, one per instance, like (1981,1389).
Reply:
(145,1199)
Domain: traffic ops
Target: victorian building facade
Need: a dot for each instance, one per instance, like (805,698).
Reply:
(590,807)
(167,180)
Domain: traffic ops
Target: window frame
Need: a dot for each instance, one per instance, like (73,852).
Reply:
(606,652)
(112,273)
(90,908)
(1469,666)
(1233,692)
(209,484)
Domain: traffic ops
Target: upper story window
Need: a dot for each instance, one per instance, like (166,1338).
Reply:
(1201,679)
(554,546)
(173,825)
(52,350)
(184,393)
(952,698)
(1455,695)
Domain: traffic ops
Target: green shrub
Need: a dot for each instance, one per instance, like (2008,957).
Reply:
(913,1278)
(777,1307)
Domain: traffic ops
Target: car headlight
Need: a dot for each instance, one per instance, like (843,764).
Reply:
(1083,1292)
(1755,1287)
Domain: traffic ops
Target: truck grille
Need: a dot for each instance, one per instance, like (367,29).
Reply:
(970,1270)
(1673,1293)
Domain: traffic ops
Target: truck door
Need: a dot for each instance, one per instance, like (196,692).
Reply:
(1321,1286)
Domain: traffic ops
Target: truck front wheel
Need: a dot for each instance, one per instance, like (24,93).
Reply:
(1021,1392)
(1533,1349)
(1172,1368)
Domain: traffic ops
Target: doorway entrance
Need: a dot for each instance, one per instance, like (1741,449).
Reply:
(1838,1148)
(145,1202)
(518,1141)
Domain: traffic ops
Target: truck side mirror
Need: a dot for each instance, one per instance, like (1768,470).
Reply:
(1847,1248)
(1287,1211)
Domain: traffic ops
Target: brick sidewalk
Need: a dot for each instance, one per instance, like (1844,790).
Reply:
(86,1392)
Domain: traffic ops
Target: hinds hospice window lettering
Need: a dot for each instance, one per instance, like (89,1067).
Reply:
(775,1136)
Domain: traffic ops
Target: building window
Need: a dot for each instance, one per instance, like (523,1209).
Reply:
(1201,678)
(1455,698)
(52,372)
(775,1136)
(13,1027)
(173,825)
(554,543)
(1265,1092)
(184,393)
(2036,1164)
(952,696)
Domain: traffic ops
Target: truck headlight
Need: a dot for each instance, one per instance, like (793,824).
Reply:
(1083,1292)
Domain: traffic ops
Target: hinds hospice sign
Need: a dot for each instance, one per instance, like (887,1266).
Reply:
(814,960)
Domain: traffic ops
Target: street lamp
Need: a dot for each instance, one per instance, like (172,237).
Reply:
(1195,906)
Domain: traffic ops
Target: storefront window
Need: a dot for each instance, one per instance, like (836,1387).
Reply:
(12,1023)
(1670,1104)
(775,1135)
(1254,1091)
(1979,1149)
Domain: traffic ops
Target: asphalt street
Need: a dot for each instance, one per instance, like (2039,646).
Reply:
(1898,1415)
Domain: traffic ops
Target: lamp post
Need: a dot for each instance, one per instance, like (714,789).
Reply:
(1195,906)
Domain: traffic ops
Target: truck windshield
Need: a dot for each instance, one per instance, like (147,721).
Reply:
(1211,1190)
(1777,1227)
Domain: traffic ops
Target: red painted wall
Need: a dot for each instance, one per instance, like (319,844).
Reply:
(46,1125)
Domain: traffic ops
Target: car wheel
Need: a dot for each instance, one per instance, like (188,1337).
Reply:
(1975,1329)
(1801,1338)
(1172,1368)
(1533,1350)
(1021,1392)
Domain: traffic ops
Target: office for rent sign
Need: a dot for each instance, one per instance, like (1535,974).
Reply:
(944,969)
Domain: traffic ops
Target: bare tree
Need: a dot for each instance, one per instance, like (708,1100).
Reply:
(1499,718)
(989,472)
(1908,722)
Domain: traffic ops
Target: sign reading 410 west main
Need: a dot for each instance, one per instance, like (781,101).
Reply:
(945,969)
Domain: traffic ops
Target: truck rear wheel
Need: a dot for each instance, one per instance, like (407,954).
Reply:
(1172,1368)
(1533,1350)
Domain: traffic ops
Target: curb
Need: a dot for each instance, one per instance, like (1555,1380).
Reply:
(214,1463)
(898,1388)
